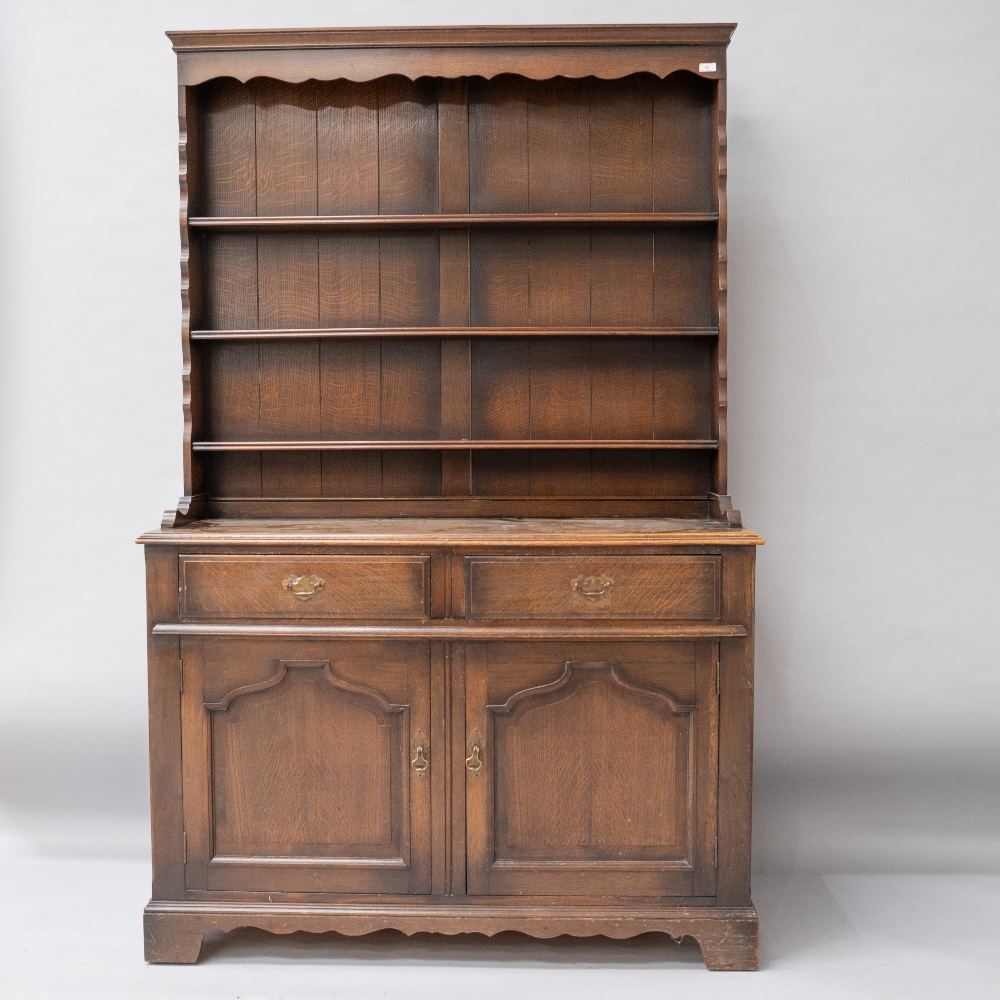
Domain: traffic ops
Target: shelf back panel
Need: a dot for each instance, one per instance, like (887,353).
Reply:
(639,144)
(398,147)
(608,276)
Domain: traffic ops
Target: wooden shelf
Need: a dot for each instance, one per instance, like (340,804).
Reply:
(430,445)
(456,331)
(301,223)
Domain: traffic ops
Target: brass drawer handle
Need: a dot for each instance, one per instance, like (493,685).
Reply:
(420,762)
(592,588)
(303,587)
(474,762)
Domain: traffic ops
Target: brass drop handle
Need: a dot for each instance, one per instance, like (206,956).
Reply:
(592,588)
(474,762)
(303,587)
(420,762)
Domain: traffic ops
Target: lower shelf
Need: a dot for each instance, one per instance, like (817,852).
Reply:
(727,936)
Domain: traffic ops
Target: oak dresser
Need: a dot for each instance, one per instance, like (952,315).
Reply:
(452,629)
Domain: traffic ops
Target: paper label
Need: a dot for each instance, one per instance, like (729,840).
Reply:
(706,67)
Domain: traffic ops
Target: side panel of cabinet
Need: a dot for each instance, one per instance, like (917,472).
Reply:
(591,768)
(307,765)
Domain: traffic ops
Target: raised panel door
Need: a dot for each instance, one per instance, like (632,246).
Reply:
(307,765)
(591,768)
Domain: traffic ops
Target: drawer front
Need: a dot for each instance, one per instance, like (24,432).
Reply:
(596,586)
(304,587)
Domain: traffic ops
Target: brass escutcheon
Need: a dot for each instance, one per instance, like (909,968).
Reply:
(303,587)
(592,588)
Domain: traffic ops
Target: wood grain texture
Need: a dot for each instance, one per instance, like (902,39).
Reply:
(553,730)
(594,586)
(452,629)
(309,763)
(347,587)
(726,935)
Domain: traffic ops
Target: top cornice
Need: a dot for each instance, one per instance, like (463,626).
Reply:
(465,36)
(535,51)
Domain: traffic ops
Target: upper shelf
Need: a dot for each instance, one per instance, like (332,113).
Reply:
(537,444)
(304,333)
(433,220)
(537,52)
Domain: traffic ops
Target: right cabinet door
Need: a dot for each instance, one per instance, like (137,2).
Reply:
(591,768)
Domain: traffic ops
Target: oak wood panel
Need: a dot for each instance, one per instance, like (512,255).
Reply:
(697,507)
(683,276)
(453,196)
(351,389)
(265,586)
(407,124)
(599,585)
(288,282)
(621,279)
(356,817)
(621,144)
(347,137)
(683,143)
(227,166)
(498,145)
(165,755)
(553,731)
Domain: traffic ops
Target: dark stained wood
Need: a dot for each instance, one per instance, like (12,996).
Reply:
(297,766)
(594,586)
(452,628)
(345,333)
(304,587)
(435,444)
(593,770)
(306,222)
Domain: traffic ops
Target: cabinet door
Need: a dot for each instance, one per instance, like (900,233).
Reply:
(307,765)
(591,768)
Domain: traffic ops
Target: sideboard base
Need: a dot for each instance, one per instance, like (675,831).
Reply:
(727,936)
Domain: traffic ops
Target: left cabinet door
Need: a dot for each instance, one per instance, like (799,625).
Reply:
(307,765)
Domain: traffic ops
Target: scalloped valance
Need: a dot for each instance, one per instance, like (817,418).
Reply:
(538,53)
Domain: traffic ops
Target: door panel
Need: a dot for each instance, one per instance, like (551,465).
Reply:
(297,765)
(598,768)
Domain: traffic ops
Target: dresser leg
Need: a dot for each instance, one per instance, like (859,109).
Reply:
(730,947)
(172,938)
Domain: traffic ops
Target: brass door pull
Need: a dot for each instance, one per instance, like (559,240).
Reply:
(420,762)
(303,587)
(592,588)
(474,762)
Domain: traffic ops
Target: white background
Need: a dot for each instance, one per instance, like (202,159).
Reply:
(865,345)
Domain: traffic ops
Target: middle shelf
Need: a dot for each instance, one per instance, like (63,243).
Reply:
(455,445)
(442,220)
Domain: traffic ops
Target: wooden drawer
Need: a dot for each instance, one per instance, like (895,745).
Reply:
(594,586)
(304,586)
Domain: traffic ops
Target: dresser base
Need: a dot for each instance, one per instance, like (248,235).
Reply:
(727,936)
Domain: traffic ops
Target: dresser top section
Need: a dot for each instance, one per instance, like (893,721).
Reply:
(456,532)
(535,51)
